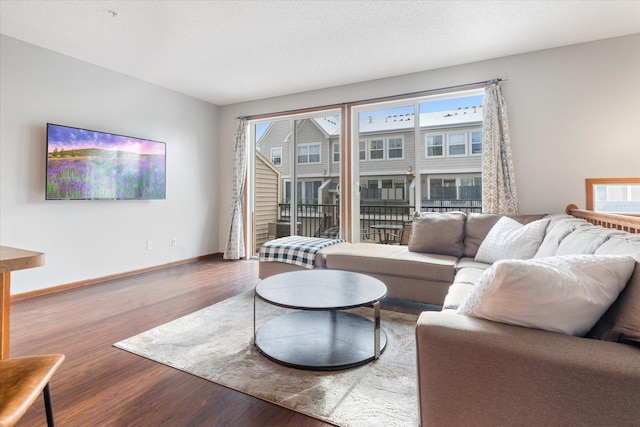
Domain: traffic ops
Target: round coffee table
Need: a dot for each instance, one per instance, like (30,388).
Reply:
(318,335)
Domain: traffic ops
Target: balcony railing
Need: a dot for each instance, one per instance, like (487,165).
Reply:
(314,220)
(323,220)
(466,206)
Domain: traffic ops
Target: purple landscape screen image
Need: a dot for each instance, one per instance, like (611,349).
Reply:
(89,165)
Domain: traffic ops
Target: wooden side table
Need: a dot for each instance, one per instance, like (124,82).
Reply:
(12,259)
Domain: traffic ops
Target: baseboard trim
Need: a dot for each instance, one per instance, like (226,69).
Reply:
(64,287)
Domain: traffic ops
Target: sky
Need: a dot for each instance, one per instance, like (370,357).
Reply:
(425,107)
(68,138)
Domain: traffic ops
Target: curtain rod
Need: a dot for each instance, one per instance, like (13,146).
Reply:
(362,101)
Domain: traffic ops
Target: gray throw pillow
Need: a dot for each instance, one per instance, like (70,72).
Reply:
(438,233)
(477,226)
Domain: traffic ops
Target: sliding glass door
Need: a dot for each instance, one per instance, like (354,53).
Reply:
(296,174)
(449,167)
(384,140)
(399,157)
(422,154)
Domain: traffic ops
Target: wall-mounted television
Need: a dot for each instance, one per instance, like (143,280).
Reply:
(85,164)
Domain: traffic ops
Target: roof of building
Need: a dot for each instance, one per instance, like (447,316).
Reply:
(330,125)
(458,116)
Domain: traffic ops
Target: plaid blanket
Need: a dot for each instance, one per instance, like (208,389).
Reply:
(296,250)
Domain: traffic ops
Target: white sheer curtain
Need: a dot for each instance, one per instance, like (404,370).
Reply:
(498,179)
(235,240)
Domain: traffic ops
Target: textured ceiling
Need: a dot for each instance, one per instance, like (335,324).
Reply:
(225,52)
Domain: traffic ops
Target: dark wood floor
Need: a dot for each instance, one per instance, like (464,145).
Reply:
(100,385)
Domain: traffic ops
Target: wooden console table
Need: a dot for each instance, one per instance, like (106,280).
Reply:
(12,259)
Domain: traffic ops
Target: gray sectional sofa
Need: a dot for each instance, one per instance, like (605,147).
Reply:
(487,370)
(423,276)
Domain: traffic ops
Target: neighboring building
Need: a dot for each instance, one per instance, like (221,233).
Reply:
(617,197)
(447,159)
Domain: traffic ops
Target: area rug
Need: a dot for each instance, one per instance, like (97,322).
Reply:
(215,343)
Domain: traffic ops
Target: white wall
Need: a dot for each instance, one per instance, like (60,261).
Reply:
(91,239)
(574,113)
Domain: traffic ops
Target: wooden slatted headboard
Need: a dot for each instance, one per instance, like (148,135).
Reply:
(628,223)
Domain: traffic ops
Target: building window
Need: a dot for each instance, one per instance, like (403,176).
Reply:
(461,187)
(287,192)
(443,189)
(457,144)
(363,150)
(308,153)
(307,191)
(376,149)
(618,195)
(336,152)
(476,142)
(435,145)
(395,148)
(276,156)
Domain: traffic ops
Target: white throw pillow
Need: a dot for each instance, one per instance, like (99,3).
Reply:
(565,294)
(508,239)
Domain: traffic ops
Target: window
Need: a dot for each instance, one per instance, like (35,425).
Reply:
(617,195)
(441,133)
(457,144)
(308,153)
(336,152)
(435,145)
(443,189)
(376,149)
(287,192)
(476,142)
(307,191)
(395,148)
(276,156)
(470,188)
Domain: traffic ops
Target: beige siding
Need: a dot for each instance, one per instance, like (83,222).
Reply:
(276,136)
(452,164)
(391,166)
(267,196)
(309,133)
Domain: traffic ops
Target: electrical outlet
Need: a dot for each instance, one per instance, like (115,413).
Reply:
(149,245)
(174,241)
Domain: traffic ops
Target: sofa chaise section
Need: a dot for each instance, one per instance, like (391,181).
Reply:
(412,276)
(475,372)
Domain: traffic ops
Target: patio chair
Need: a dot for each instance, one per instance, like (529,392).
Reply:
(402,237)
